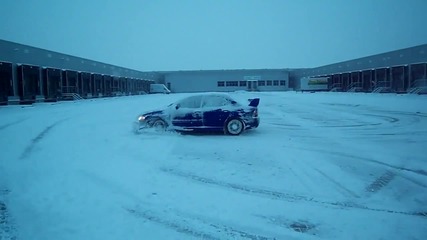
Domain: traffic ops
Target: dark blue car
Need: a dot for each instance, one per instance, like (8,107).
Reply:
(203,113)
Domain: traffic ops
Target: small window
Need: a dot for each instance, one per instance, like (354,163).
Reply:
(282,83)
(269,82)
(276,83)
(242,83)
(220,84)
(261,83)
(232,83)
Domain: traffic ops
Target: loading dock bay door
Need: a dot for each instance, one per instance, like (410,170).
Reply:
(28,83)
(6,87)
(51,83)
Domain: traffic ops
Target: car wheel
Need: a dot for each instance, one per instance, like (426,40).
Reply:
(234,127)
(159,125)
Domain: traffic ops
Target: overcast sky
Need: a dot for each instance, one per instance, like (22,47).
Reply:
(216,34)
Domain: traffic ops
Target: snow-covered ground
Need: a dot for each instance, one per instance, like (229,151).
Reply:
(320,166)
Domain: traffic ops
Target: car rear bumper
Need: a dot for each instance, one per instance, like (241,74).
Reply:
(252,123)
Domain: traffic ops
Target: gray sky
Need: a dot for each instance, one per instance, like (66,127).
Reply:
(216,34)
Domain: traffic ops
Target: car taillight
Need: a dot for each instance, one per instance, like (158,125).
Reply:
(255,114)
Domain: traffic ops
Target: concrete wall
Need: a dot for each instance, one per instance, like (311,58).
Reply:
(201,81)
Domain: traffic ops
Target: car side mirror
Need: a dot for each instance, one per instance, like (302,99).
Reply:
(177,106)
(233,102)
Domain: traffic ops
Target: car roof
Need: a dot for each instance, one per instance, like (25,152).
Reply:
(212,94)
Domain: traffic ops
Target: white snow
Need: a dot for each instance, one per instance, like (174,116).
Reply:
(320,166)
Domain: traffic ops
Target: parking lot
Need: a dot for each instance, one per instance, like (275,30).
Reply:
(319,166)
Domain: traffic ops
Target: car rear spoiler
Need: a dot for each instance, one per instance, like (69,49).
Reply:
(253,102)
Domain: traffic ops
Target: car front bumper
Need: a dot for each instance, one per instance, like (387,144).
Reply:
(137,126)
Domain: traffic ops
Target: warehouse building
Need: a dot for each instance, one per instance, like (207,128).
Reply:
(227,80)
(29,74)
(400,71)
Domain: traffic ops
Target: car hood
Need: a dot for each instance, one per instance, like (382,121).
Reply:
(150,113)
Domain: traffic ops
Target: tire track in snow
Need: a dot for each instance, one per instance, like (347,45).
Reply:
(175,222)
(412,114)
(385,118)
(281,195)
(11,124)
(416,171)
(300,179)
(360,112)
(183,226)
(347,191)
(413,181)
(332,123)
(28,150)
(301,226)
(380,182)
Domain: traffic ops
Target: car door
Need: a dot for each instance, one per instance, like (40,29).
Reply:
(216,110)
(187,113)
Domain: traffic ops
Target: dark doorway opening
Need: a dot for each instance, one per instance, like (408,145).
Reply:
(28,83)
(51,84)
(6,82)
(107,85)
(85,82)
(69,81)
(97,80)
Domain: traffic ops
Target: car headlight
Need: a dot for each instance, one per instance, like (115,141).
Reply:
(141,118)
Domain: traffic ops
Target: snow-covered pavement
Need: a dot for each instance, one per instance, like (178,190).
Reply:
(320,166)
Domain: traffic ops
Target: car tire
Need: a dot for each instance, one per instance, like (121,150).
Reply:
(159,125)
(234,127)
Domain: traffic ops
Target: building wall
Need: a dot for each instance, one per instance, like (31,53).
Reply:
(24,77)
(200,81)
(402,68)
(399,71)
(412,55)
(22,54)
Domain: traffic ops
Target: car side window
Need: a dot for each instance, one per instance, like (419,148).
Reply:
(215,101)
(191,102)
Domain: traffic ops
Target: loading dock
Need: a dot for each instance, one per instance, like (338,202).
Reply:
(123,85)
(69,81)
(355,82)
(418,78)
(410,78)
(51,78)
(28,83)
(85,84)
(398,79)
(127,86)
(96,83)
(115,86)
(131,84)
(6,82)
(107,85)
(367,80)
